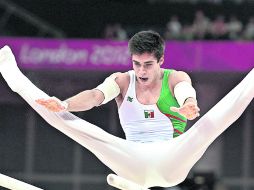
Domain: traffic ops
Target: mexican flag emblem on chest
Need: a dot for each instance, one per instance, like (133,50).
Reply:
(149,113)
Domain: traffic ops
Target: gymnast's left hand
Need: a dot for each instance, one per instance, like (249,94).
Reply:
(190,109)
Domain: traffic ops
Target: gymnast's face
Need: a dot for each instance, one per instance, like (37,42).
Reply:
(147,68)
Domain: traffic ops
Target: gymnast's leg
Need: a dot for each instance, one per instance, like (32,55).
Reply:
(114,152)
(225,112)
(189,147)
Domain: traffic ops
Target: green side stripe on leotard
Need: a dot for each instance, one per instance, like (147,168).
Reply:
(166,100)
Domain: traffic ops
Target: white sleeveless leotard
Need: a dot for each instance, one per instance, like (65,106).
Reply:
(142,123)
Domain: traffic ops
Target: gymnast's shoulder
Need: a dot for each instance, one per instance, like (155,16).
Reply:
(177,77)
(122,79)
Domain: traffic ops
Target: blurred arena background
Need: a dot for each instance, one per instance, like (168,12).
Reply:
(213,31)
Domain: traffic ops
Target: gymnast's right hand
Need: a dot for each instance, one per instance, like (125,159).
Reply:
(53,104)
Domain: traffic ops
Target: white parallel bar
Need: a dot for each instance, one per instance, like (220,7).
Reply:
(124,184)
(14,184)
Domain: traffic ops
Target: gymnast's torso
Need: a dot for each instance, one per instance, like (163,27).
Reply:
(149,123)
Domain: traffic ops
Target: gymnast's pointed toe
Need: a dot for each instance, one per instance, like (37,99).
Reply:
(7,59)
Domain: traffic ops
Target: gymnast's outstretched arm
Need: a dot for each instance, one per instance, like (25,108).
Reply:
(86,99)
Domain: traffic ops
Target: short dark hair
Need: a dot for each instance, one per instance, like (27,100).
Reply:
(147,42)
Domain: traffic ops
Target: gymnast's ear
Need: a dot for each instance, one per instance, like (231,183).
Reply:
(161,61)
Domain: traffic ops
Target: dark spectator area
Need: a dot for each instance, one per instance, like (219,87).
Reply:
(111,19)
